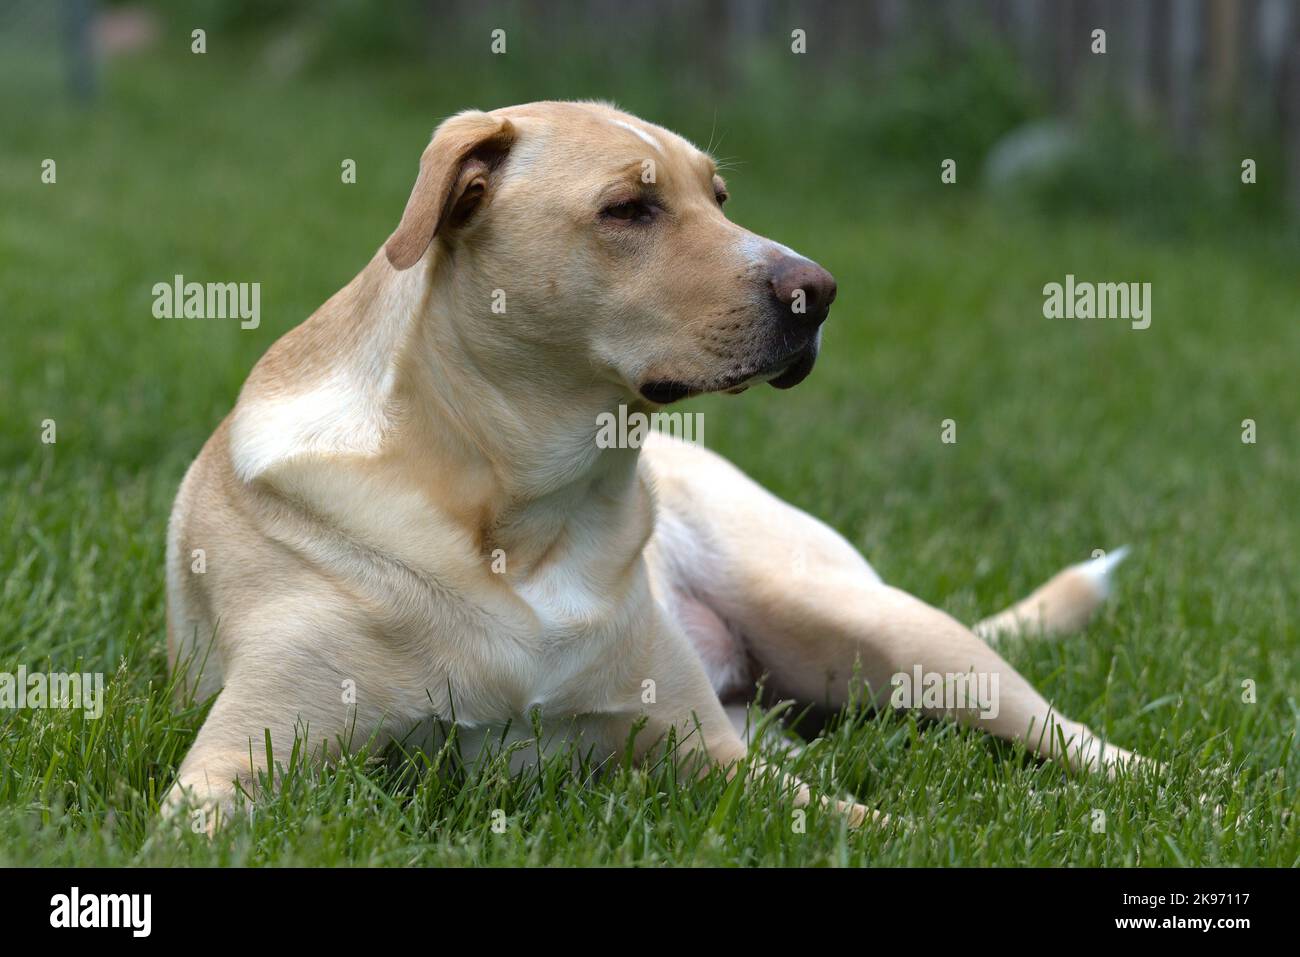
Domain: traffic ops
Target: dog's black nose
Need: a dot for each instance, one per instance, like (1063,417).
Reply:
(804,289)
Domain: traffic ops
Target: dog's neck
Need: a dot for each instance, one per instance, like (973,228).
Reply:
(520,427)
(381,378)
(532,417)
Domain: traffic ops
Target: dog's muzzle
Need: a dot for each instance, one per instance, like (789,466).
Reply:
(801,296)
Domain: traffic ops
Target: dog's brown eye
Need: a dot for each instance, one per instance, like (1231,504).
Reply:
(631,211)
(721,196)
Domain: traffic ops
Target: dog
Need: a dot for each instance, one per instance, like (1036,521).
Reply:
(406,516)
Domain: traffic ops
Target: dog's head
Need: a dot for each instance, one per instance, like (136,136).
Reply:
(572,238)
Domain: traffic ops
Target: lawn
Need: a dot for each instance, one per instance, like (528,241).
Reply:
(1071,436)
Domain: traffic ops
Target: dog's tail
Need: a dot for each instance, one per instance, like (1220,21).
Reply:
(1064,603)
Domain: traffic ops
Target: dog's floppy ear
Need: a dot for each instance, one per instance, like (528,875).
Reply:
(452,182)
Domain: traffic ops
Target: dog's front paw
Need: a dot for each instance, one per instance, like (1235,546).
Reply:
(198,806)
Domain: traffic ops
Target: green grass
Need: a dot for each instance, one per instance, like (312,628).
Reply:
(1071,436)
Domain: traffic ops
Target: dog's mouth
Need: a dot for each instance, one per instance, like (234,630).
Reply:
(799,369)
(666,391)
(785,373)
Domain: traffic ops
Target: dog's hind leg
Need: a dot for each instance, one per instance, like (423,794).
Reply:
(1064,603)
(822,625)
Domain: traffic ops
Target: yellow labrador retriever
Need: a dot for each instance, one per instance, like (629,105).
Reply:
(407,514)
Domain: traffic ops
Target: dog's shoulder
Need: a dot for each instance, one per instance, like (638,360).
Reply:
(324,389)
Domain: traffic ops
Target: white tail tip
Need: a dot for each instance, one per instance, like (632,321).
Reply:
(1099,571)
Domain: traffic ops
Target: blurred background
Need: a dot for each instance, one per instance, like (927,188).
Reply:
(1200,77)
(1122,166)
(1006,86)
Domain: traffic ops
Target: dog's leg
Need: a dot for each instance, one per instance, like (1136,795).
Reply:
(296,688)
(813,636)
(1063,604)
(818,619)
(680,700)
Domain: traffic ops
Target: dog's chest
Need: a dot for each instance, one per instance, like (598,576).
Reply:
(549,641)
(577,573)
(529,619)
